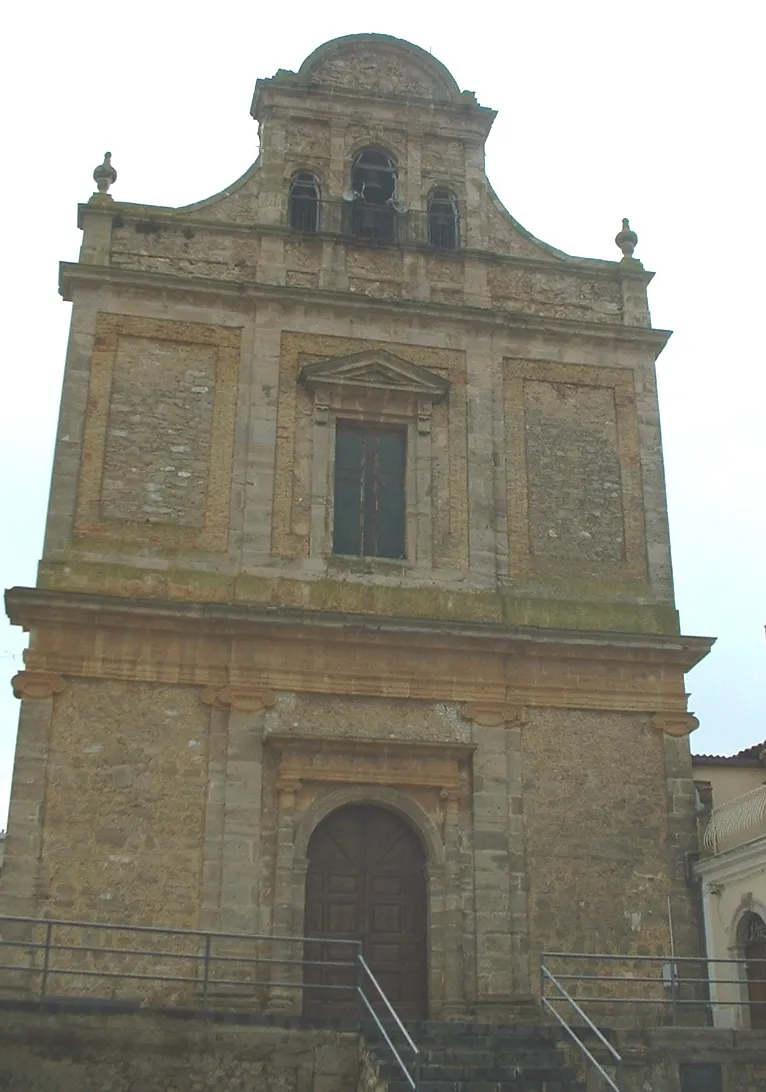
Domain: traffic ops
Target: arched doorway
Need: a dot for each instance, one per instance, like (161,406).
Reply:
(753,934)
(366,882)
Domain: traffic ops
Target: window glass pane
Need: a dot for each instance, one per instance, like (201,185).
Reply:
(390,497)
(347,531)
(369,492)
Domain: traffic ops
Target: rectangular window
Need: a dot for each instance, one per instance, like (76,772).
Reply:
(701,1077)
(369,491)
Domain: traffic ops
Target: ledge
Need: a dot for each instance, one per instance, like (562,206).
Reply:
(29,607)
(73,275)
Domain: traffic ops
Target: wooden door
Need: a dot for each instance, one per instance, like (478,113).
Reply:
(755,952)
(366,882)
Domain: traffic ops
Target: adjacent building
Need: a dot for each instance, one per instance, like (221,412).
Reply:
(732,874)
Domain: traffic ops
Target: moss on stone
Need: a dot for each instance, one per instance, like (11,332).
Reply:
(498,607)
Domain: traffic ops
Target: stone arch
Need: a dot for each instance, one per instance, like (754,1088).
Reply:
(379,795)
(748,905)
(381,64)
(372,140)
(291,868)
(750,986)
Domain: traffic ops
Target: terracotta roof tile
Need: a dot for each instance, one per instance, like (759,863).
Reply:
(750,756)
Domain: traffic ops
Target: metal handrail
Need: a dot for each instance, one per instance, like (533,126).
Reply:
(412,1079)
(669,977)
(74,923)
(689,987)
(358,968)
(545,975)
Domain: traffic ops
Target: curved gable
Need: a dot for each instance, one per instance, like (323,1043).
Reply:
(379,64)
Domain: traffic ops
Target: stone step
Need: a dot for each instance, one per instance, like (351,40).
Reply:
(474,1057)
(488,1086)
(465,1054)
(450,1029)
(495,1073)
(486,1073)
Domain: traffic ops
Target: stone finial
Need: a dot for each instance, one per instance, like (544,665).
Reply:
(626,240)
(105,174)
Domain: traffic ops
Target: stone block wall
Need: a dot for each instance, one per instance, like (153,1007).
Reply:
(548,829)
(123,794)
(71,1052)
(232,498)
(653,1060)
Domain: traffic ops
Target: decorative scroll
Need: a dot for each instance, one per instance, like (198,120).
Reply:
(237,698)
(675,724)
(37,684)
(288,787)
(492,715)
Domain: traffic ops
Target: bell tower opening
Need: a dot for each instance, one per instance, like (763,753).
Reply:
(373,185)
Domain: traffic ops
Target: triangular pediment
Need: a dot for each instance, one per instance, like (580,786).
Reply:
(375,370)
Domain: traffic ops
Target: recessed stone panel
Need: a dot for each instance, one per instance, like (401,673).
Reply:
(575,497)
(158,433)
(573,472)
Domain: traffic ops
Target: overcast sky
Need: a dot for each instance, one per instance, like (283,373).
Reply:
(653,111)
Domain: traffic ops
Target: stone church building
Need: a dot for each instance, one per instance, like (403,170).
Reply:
(355,613)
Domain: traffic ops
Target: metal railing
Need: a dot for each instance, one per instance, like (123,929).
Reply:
(378,224)
(680,990)
(686,991)
(545,978)
(157,969)
(737,821)
(410,1069)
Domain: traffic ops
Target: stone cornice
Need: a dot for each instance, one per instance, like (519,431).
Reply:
(72,275)
(33,606)
(462,115)
(240,654)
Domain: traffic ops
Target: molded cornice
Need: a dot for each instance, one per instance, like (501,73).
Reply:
(493,671)
(73,275)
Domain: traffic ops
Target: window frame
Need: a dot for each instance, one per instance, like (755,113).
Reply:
(443,195)
(351,389)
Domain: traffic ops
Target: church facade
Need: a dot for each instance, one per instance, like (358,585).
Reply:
(355,614)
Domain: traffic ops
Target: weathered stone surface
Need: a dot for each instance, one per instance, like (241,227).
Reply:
(574,472)
(68,1052)
(654,1059)
(208,681)
(124,803)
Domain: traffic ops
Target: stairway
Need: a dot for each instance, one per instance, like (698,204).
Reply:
(482,1058)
